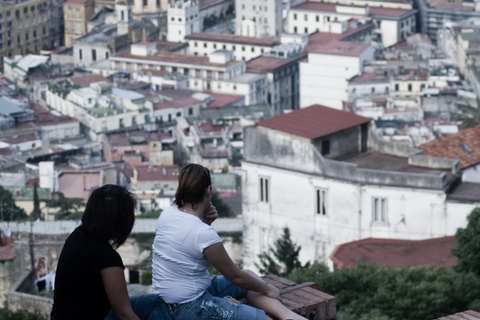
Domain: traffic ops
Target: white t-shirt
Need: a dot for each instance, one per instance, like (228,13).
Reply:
(180,270)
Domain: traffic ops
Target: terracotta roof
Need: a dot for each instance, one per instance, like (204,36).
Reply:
(396,252)
(340,48)
(218,100)
(463,146)
(157,173)
(466,315)
(87,79)
(369,77)
(20,139)
(318,37)
(232,39)
(268,64)
(314,122)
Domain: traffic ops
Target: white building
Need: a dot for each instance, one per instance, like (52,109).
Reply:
(393,25)
(98,112)
(243,47)
(183,19)
(218,73)
(261,19)
(324,76)
(326,176)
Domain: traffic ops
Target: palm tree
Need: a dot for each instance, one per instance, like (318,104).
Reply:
(470,117)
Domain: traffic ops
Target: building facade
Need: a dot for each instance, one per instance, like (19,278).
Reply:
(326,176)
(76,15)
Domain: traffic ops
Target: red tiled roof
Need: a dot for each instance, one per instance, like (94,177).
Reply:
(340,48)
(20,139)
(157,173)
(221,99)
(5,151)
(314,122)
(317,38)
(396,253)
(269,64)
(450,146)
(205,126)
(466,315)
(87,79)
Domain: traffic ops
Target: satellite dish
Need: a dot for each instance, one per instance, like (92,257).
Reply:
(7,232)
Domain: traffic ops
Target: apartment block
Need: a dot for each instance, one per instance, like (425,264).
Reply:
(24,28)
(76,15)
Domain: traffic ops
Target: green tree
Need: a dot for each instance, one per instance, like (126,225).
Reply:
(223,208)
(154,213)
(285,256)
(470,117)
(468,244)
(36,213)
(381,293)
(68,208)
(8,209)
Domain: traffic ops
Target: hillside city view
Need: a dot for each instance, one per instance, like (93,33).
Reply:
(342,137)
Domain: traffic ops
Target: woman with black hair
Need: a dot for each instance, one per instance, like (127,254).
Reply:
(186,245)
(90,282)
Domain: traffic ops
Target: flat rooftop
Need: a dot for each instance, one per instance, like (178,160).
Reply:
(385,162)
(227,38)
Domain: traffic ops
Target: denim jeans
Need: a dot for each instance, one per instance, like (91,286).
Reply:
(146,307)
(213,304)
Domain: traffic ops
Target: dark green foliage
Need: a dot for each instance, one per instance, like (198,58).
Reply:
(8,209)
(146,278)
(468,244)
(68,208)
(470,117)
(380,293)
(285,257)
(6,314)
(223,208)
(36,213)
(152,214)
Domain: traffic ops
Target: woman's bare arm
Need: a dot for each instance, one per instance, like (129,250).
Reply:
(246,279)
(116,289)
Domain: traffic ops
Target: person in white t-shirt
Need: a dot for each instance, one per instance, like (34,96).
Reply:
(186,245)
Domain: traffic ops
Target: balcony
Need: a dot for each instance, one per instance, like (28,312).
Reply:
(27,41)
(2,20)
(9,18)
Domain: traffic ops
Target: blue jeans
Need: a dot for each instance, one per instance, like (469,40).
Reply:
(146,307)
(214,305)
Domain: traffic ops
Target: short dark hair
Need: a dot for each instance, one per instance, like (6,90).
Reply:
(193,179)
(110,214)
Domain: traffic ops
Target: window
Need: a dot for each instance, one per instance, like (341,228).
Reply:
(179,114)
(77,13)
(325,147)
(243,48)
(373,89)
(120,123)
(243,7)
(294,29)
(379,210)
(410,87)
(253,49)
(397,87)
(214,46)
(306,30)
(94,55)
(264,185)
(106,55)
(195,44)
(190,111)
(80,54)
(205,45)
(317,18)
(305,17)
(70,14)
(294,16)
(321,201)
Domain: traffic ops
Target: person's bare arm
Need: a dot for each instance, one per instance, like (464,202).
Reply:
(116,289)
(210,214)
(246,279)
